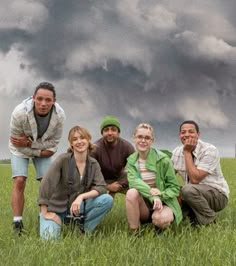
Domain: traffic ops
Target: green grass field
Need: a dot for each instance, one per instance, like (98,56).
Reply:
(111,243)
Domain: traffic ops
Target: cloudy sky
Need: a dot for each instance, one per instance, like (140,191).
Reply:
(142,60)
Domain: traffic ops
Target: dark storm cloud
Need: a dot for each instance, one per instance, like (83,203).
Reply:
(160,62)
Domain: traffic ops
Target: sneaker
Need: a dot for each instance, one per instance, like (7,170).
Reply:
(18,227)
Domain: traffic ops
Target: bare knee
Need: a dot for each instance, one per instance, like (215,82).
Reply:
(132,195)
(19,183)
(163,218)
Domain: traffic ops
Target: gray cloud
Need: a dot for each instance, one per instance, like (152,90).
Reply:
(23,15)
(160,62)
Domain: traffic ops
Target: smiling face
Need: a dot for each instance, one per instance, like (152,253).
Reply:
(43,101)
(79,139)
(110,134)
(79,143)
(188,131)
(143,139)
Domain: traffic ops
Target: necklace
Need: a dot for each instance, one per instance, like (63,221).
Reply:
(81,167)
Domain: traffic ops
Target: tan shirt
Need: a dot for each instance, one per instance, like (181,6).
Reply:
(207,159)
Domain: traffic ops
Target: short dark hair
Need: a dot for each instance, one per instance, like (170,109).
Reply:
(189,122)
(46,86)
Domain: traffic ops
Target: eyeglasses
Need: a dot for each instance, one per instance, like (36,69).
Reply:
(145,138)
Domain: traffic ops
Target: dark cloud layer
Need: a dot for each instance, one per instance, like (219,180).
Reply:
(160,62)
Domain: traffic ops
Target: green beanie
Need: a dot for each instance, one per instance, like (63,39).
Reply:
(110,120)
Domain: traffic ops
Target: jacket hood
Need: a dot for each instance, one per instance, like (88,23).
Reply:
(28,103)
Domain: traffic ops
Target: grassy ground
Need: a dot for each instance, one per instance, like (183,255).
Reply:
(111,243)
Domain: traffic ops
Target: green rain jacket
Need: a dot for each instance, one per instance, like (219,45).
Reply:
(166,181)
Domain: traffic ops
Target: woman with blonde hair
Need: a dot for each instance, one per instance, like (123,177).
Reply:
(152,182)
(72,186)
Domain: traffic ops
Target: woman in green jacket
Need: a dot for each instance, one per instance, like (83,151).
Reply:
(153,187)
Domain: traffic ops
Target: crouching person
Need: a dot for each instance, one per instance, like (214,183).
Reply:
(205,191)
(153,185)
(72,186)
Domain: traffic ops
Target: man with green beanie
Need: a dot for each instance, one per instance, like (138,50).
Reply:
(111,153)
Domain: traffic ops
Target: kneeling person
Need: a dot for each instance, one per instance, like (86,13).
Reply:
(72,185)
(153,185)
(205,191)
(112,152)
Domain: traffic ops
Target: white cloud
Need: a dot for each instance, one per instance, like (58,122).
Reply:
(208,20)
(202,110)
(126,41)
(97,54)
(205,47)
(24,15)
(147,18)
(15,72)
(217,49)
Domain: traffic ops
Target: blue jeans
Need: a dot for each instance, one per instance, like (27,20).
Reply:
(19,166)
(95,210)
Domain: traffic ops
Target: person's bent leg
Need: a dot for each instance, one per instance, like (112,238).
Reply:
(95,210)
(49,229)
(136,209)
(204,201)
(163,218)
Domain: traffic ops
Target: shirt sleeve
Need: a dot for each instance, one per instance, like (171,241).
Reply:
(16,129)
(50,181)
(209,160)
(171,186)
(99,183)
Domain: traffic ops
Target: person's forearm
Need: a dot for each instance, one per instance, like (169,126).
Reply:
(43,208)
(195,175)
(88,195)
(44,145)
(46,153)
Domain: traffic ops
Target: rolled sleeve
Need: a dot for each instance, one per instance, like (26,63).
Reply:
(99,183)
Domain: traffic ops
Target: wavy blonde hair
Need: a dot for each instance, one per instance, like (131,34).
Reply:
(84,133)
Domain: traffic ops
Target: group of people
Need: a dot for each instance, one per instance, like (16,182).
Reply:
(82,182)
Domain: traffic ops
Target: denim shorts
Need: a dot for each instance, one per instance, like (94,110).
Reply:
(19,166)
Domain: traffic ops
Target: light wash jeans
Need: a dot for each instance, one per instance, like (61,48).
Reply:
(95,210)
(19,166)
